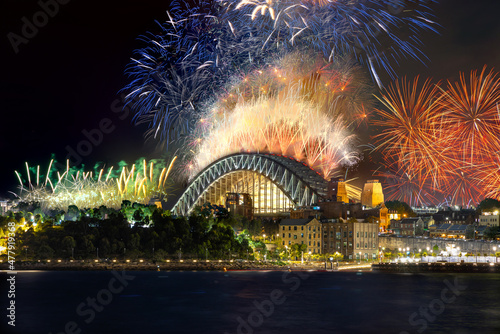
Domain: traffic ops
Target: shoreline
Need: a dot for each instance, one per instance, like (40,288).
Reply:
(397,268)
(437,267)
(177,266)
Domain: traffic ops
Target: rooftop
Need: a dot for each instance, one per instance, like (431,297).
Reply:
(290,221)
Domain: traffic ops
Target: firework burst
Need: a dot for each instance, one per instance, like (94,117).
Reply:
(300,107)
(445,139)
(60,189)
(203,44)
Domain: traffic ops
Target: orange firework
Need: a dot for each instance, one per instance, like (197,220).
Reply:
(446,140)
(302,106)
(473,122)
(411,128)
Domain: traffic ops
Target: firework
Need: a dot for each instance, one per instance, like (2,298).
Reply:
(299,107)
(196,49)
(444,140)
(341,27)
(87,189)
(204,43)
(473,117)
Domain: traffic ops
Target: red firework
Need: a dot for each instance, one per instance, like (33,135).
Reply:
(446,140)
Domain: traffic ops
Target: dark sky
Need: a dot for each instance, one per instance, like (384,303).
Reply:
(65,79)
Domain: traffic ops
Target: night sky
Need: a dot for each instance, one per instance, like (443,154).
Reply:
(67,78)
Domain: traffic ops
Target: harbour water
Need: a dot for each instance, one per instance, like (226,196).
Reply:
(253,302)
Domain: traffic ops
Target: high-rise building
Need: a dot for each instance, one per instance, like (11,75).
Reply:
(372,194)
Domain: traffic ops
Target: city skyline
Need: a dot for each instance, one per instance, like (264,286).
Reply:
(55,132)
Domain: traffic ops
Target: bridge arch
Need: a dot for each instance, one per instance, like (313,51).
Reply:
(276,183)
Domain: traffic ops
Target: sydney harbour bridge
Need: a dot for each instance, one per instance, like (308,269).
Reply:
(275,183)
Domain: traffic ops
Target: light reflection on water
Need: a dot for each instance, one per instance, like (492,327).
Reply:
(217,302)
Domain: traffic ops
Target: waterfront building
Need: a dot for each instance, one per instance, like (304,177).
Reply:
(489,219)
(354,238)
(305,231)
(412,226)
(454,231)
(386,216)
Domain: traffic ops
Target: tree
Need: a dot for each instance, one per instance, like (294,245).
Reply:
(73,213)
(18,216)
(45,251)
(488,205)
(104,247)
(138,216)
(400,207)
(68,243)
(419,228)
(491,232)
(470,232)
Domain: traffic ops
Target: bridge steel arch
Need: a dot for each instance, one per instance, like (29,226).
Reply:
(299,182)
